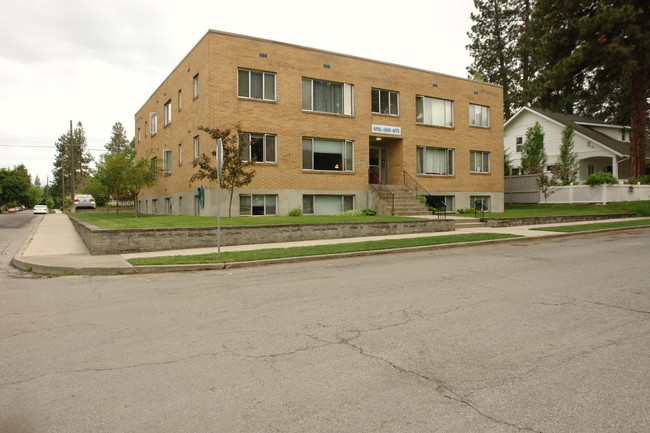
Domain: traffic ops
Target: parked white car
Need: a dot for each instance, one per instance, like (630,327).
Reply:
(40,209)
(84,201)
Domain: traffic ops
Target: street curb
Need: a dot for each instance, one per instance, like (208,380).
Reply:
(138,269)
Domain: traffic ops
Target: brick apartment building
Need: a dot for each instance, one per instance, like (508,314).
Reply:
(326,130)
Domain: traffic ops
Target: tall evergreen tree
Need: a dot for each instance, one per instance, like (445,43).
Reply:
(533,155)
(493,47)
(63,162)
(595,56)
(567,165)
(118,141)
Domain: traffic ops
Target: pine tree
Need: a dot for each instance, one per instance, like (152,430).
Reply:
(594,57)
(62,161)
(118,141)
(533,155)
(567,166)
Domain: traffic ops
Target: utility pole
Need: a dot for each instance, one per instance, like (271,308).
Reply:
(72,205)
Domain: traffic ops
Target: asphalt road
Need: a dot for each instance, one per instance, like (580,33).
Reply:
(14,229)
(539,336)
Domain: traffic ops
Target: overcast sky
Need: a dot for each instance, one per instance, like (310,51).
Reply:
(97,62)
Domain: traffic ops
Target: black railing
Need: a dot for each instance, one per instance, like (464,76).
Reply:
(419,191)
(384,195)
(412,185)
(479,209)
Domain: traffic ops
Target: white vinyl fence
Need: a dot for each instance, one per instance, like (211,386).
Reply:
(523,189)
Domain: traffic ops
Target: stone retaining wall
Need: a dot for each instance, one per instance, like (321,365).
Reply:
(103,241)
(510,222)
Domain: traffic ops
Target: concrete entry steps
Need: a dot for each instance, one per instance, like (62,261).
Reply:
(405,202)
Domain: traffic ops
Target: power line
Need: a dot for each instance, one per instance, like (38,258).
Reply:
(46,147)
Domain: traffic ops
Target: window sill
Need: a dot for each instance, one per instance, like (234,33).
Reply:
(325,113)
(484,173)
(435,175)
(265,101)
(327,172)
(392,116)
(480,127)
(436,126)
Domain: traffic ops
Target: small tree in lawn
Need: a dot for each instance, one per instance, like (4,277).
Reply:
(533,156)
(567,166)
(233,171)
(142,174)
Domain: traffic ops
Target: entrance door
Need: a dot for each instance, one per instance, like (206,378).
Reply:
(377,173)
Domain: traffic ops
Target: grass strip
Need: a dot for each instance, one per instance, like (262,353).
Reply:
(594,226)
(127,220)
(277,253)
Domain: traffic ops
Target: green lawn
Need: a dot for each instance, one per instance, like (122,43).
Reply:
(594,226)
(639,208)
(275,253)
(127,220)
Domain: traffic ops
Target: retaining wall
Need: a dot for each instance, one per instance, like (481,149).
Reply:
(510,222)
(103,241)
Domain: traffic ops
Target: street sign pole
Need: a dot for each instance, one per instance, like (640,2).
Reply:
(219,164)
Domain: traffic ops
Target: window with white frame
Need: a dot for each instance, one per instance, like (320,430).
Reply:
(254,204)
(385,102)
(479,162)
(442,202)
(480,201)
(180,100)
(153,120)
(479,115)
(434,160)
(168,112)
(154,166)
(259,148)
(197,147)
(327,96)
(519,143)
(180,154)
(195,85)
(327,155)
(139,136)
(434,111)
(256,84)
(167,160)
(326,204)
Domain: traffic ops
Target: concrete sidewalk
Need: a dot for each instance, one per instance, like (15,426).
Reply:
(55,248)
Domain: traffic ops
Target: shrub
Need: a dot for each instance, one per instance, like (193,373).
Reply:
(368,212)
(295,212)
(353,212)
(645,180)
(601,178)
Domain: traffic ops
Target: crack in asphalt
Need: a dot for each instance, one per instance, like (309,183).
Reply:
(618,307)
(103,369)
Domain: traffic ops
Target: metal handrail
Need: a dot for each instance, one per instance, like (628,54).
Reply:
(412,185)
(418,190)
(385,195)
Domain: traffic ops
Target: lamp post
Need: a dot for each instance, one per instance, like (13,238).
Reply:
(219,166)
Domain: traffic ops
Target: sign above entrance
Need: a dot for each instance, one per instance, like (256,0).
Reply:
(389,130)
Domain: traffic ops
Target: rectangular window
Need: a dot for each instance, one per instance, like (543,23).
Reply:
(326,204)
(519,142)
(168,206)
(197,148)
(168,112)
(180,100)
(180,154)
(167,160)
(327,155)
(153,118)
(154,166)
(327,97)
(442,202)
(434,160)
(259,148)
(256,84)
(434,111)
(479,115)
(139,138)
(252,205)
(196,86)
(480,201)
(154,205)
(385,102)
(479,162)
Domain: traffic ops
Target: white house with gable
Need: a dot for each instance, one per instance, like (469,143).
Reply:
(600,146)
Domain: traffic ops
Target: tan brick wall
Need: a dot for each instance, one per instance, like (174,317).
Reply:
(216,59)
